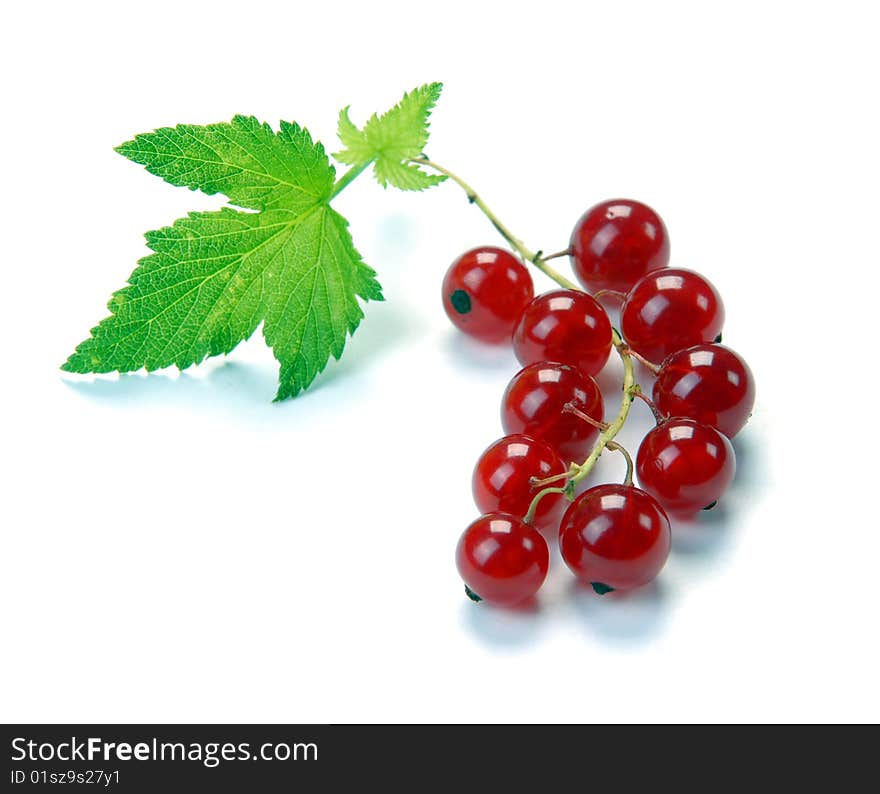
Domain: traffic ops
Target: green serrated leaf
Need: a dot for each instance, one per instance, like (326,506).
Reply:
(214,276)
(316,307)
(392,140)
(404,177)
(357,150)
(243,159)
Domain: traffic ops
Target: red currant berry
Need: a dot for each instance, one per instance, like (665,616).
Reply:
(501,480)
(685,465)
(567,326)
(502,559)
(616,536)
(668,311)
(616,242)
(708,383)
(533,404)
(485,291)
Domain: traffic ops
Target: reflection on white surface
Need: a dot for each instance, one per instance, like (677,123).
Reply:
(679,432)
(544,328)
(549,375)
(517,449)
(473,278)
(593,531)
(486,548)
(500,526)
(560,303)
(533,402)
(654,308)
(684,386)
(603,239)
(668,456)
(613,501)
(669,282)
(501,475)
(701,358)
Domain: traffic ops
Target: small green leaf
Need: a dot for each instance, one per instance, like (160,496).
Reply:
(358,150)
(392,140)
(404,176)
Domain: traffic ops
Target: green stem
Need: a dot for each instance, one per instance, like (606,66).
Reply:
(650,365)
(628,480)
(518,245)
(533,507)
(347,178)
(629,389)
(540,483)
(658,417)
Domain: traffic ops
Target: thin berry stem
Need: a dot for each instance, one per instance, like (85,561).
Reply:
(628,480)
(535,257)
(534,482)
(658,417)
(614,427)
(610,293)
(571,408)
(533,507)
(557,255)
(655,368)
(580,472)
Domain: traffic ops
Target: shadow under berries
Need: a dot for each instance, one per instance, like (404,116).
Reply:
(626,617)
(503,627)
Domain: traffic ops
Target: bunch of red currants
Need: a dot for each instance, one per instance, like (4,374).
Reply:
(613,536)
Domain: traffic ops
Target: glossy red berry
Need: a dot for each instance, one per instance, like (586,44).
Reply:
(502,559)
(685,465)
(708,383)
(616,242)
(533,404)
(568,326)
(668,311)
(615,536)
(485,291)
(501,479)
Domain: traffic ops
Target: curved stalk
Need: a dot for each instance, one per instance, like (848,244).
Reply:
(533,507)
(629,389)
(518,245)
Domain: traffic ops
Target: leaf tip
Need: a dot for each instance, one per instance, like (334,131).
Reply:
(75,364)
(285,392)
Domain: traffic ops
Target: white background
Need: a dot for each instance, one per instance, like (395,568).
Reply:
(178,548)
